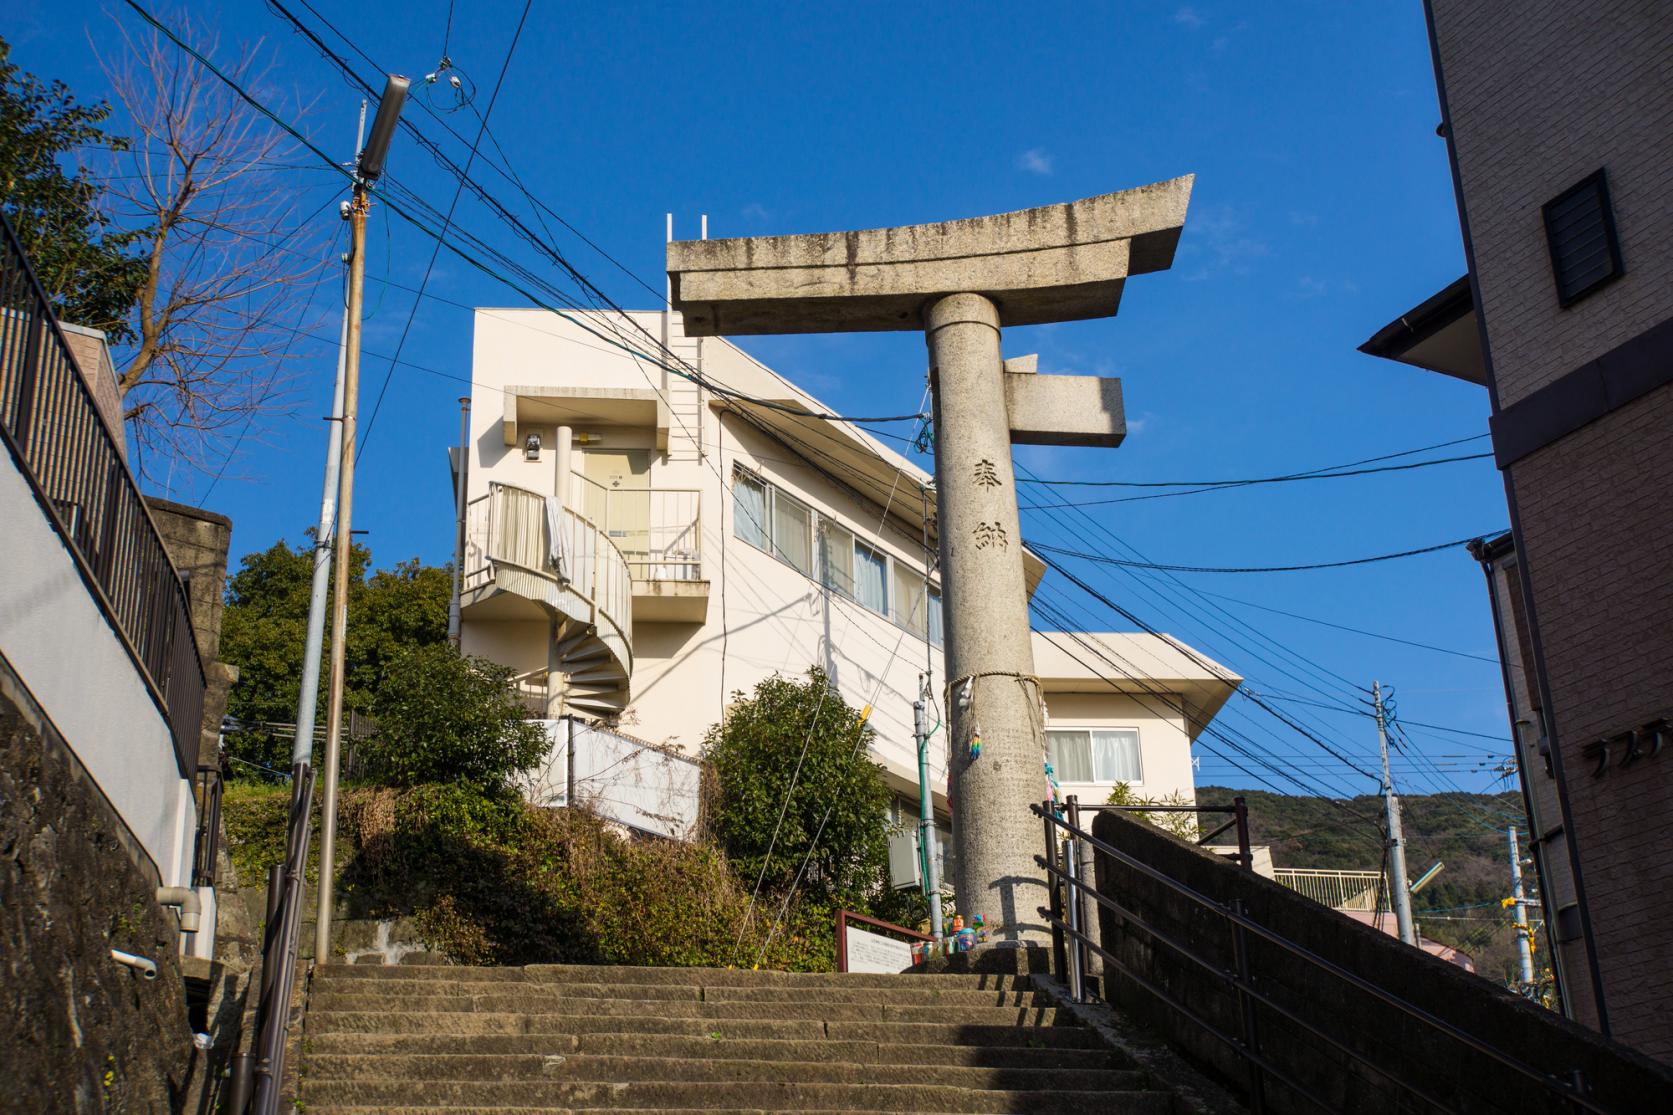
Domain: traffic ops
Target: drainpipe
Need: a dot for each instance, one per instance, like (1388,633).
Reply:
(191,906)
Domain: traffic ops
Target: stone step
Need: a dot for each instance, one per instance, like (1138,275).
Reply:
(702,977)
(497,1109)
(461,1024)
(437,990)
(757,1049)
(388,1095)
(581,1068)
(543,1004)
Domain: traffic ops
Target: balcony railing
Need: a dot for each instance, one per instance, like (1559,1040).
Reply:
(587,574)
(1361,891)
(656,529)
(52,427)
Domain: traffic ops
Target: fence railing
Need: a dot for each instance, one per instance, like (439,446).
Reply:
(207,846)
(1359,891)
(658,530)
(53,428)
(516,526)
(1067,846)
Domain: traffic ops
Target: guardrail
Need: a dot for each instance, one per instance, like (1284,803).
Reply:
(1359,891)
(514,526)
(1066,845)
(53,428)
(658,530)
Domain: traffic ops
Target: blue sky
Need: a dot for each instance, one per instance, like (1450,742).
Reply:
(1322,209)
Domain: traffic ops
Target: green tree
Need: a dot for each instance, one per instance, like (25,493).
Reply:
(446,717)
(754,757)
(265,625)
(84,261)
(1182,825)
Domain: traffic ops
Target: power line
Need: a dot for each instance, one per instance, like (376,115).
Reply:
(1209,485)
(447,222)
(1103,560)
(1352,630)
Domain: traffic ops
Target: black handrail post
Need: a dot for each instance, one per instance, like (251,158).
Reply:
(34,342)
(1059,960)
(1246,1006)
(1077,904)
(1241,809)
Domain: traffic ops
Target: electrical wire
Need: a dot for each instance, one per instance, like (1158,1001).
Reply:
(1104,560)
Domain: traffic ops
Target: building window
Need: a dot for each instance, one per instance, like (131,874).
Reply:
(749,510)
(871,578)
(911,606)
(1095,755)
(1580,230)
(836,557)
(792,532)
(936,633)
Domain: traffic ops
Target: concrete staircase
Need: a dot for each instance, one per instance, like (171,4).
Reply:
(548,1038)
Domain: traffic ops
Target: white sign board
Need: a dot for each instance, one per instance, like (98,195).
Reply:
(873,952)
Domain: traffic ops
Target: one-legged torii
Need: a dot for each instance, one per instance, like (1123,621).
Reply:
(960,281)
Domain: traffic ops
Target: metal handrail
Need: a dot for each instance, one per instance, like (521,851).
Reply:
(286,887)
(53,427)
(206,847)
(1240,981)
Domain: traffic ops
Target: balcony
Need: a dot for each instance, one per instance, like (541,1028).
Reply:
(1351,891)
(524,551)
(659,533)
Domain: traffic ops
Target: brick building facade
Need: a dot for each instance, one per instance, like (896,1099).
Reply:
(1557,118)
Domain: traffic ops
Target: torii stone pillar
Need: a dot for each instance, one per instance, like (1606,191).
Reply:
(961,282)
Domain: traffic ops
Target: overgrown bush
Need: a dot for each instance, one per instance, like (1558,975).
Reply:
(493,880)
(446,717)
(790,763)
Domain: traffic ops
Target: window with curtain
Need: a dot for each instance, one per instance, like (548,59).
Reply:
(1095,755)
(871,578)
(749,510)
(836,557)
(792,532)
(911,607)
(936,633)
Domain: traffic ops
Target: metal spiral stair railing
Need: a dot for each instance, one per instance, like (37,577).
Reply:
(584,583)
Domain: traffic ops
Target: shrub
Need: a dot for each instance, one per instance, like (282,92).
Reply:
(445,717)
(754,758)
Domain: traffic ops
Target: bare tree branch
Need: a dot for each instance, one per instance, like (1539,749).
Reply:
(232,256)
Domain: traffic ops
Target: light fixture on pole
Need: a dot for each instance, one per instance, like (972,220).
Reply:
(368,168)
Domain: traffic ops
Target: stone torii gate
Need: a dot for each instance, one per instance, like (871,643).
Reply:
(960,282)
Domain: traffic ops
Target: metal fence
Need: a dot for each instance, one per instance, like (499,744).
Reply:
(1359,891)
(52,427)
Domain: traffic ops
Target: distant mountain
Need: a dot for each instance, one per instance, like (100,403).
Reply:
(1460,906)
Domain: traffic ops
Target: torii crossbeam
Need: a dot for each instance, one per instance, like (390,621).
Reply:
(960,282)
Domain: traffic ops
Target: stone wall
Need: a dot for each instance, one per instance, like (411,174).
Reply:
(1400,1047)
(79,1032)
(197,543)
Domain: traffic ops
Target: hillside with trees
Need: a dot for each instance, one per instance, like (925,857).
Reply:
(1466,832)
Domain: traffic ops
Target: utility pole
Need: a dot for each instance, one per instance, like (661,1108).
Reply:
(302,745)
(368,168)
(1524,951)
(453,607)
(926,810)
(1398,883)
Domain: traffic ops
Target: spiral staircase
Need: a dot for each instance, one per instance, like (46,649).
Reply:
(526,552)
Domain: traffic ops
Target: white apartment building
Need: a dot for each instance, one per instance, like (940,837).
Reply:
(641,549)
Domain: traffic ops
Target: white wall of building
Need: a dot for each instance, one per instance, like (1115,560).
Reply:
(77,668)
(764,615)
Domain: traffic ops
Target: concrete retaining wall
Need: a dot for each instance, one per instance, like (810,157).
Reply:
(1462,1079)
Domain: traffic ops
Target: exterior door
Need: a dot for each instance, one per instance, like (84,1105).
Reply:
(621,481)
